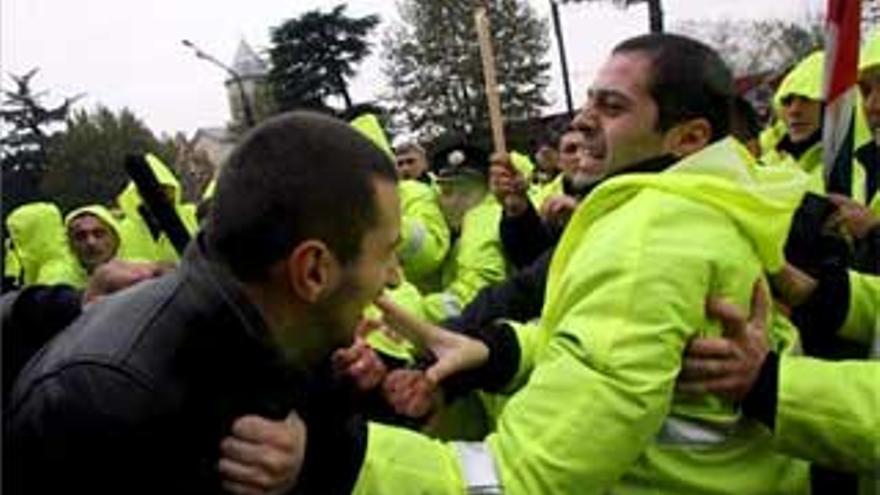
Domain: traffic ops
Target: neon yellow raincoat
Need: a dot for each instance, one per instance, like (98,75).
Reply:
(548,190)
(806,80)
(108,219)
(626,292)
(424,235)
(139,241)
(869,59)
(39,243)
(827,411)
(475,261)
(369,125)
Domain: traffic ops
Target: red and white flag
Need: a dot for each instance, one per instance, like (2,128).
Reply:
(840,89)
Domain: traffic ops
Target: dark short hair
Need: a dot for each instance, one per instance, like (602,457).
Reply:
(297,176)
(745,124)
(688,80)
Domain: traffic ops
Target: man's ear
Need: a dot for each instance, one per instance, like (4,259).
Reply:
(312,270)
(688,137)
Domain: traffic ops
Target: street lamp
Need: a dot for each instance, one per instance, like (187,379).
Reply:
(236,78)
(655,10)
(655,17)
(557,29)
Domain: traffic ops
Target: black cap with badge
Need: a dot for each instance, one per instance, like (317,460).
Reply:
(460,160)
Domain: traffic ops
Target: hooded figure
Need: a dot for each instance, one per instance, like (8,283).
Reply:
(38,243)
(94,237)
(140,231)
(424,236)
(800,105)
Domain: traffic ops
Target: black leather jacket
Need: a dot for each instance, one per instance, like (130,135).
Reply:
(137,394)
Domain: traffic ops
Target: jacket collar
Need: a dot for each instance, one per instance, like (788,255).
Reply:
(798,149)
(222,288)
(655,164)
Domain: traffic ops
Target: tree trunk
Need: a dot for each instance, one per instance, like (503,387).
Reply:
(343,90)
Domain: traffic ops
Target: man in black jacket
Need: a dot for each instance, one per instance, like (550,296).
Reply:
(34,315)
(136,396)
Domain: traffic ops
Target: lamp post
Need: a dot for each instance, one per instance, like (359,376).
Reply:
(655,17)
(235,76)
(557,29)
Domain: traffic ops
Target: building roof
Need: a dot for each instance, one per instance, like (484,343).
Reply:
(219,134)
(247,63)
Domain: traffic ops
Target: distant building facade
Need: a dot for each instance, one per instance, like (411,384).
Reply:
(200,157)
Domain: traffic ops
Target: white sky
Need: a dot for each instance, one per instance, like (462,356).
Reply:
(123,53)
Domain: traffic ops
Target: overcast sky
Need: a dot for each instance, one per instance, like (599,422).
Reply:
(128,54)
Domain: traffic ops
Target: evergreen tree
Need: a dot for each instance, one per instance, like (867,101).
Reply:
(314,55)
(435,73)
(28,125)
(86,162)
(754,46)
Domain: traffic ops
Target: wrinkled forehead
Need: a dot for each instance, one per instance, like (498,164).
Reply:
(87,221)
(624,74)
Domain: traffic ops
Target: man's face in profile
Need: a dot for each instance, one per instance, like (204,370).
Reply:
(364,279)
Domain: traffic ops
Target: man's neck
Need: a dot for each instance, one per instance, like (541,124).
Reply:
(280,314)
(798,149)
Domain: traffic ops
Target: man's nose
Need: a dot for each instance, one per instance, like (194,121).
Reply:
(586,120)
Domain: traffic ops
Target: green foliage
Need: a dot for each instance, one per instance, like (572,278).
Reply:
(28,126)
(314,54)
(434,69)
(755,46)
(86,161)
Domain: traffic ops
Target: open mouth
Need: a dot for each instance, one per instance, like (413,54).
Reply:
(593,163)
(595,150)
(799,126)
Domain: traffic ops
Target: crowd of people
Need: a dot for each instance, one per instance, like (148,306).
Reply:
(670,301)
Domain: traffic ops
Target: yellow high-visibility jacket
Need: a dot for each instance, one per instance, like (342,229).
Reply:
(596,411)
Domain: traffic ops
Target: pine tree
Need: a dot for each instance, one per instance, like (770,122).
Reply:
(314,55)
(86,160)
(28,126)
(434,69)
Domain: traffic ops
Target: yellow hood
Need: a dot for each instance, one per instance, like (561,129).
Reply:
(38,236)
(805,79)
(129,199)
(99,211)
(522,163)
(368,124)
